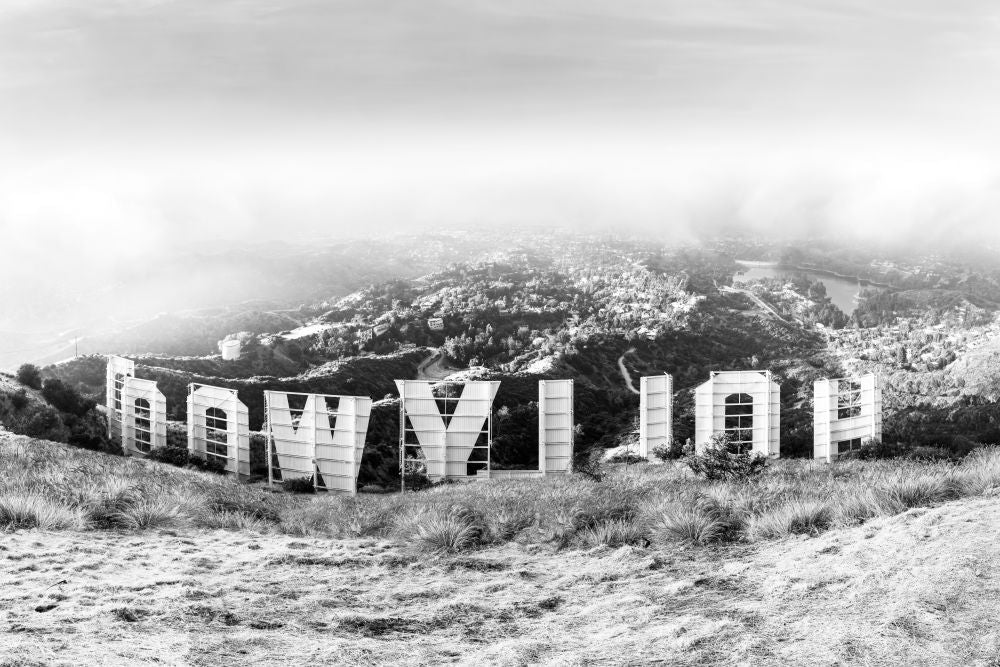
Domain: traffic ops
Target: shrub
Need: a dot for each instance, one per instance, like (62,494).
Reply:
(258,454)
(172,455)
(416,477)
(19,399)
(299,485)
(30,376)
(627,458)
(64,398)
(590,465)
(208,465)
(669,452)
(872,449)
(722,460)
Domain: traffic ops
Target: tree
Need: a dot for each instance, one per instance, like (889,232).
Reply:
(29,375)
(723,460)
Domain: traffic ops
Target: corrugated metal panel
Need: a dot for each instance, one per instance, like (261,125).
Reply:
(117,370)
(231,447)
(468,424)
(829,428)
(144,417)
(508,474)
(710,408)
(342,425)
(555,426)
(447,447)
(292,434)
(656,413)
(324,441)
(420,409)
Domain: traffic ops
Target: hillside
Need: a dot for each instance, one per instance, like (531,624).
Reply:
(524,307)
(921,587)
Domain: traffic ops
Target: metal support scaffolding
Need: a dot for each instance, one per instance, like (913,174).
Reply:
(323,440)
(446,423)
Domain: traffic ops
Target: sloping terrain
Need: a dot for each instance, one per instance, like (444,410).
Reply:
(922,588)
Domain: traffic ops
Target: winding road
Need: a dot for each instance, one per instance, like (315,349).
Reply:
(433,367)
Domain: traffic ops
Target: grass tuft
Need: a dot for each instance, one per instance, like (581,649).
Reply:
(29,510)
(796,516)
(446,530)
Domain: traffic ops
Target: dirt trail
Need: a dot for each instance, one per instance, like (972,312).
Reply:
(624,371)
(920,588)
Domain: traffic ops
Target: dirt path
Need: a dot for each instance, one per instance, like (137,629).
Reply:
(624,371)
(922,588)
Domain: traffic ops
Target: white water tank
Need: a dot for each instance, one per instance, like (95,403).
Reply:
(230,349)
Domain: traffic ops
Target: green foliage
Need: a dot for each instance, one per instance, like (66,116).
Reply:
(19,399)
(590,464)
(172,455)
(30,376)
(722,460)
(258,454)
(669,452)
(298,485)
(627,458)
(872,450)
(208,465)
(64,398)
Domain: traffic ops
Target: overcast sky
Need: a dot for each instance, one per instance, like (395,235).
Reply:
(146,123)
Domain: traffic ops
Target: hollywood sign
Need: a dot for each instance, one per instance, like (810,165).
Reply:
(446,428)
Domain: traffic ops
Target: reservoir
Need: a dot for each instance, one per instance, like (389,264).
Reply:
(842,291)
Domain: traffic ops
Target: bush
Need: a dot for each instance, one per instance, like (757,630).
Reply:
(258,454)
(872,449)
(722,460)
(19,399)
(590,465)
(172,455)
(299,485)
(64,398)
(627,458)
(208,465)
(670,452)
(30,376)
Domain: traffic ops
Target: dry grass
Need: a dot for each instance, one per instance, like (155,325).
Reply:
(129,562)
(917,588)
(51,486)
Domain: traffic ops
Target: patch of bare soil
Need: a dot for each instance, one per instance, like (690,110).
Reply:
(920,588)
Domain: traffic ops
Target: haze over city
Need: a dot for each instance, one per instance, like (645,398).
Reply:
(132,132)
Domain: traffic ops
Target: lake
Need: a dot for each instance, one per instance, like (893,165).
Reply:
(840,290)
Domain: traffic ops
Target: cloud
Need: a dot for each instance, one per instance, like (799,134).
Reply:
(144,128)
